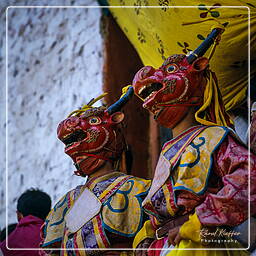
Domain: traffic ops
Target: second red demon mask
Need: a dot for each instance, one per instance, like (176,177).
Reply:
(170,90)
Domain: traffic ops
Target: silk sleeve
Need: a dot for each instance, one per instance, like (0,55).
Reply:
(230,205)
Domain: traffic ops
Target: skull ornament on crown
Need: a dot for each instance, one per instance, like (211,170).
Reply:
(169,91)
(93,136)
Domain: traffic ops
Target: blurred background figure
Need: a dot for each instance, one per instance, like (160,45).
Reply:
(4,233)
(32,208)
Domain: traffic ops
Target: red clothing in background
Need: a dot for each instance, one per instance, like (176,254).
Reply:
(26,235)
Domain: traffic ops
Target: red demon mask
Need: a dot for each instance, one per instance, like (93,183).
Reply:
(168,91)
(92,138)
(93,135)
(179,83)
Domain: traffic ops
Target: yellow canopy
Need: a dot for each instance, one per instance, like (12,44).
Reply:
(157,32)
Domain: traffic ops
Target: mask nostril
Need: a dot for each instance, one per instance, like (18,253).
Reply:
(159,73)
(146,72)
(72,122)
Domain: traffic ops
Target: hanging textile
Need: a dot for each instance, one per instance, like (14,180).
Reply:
(170,28)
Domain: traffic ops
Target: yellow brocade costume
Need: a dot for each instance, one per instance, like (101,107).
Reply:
(185,177)
(118,219)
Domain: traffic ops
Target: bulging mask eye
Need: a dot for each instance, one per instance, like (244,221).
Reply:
(172,68)
(94,120)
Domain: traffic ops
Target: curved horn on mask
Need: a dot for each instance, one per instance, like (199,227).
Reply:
(205,45)
(121,102)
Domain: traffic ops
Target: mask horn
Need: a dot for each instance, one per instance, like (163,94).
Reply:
(204,46)
(121,102)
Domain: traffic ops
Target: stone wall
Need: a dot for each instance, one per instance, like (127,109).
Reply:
(54,66)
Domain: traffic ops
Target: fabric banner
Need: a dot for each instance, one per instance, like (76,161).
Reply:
(174,27)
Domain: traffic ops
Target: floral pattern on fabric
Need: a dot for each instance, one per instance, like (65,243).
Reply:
(230,205)
(101,186)
(169,29)
(88,236)
(159,204)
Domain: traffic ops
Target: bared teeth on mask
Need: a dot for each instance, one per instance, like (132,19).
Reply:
(141,89)
(148,90)
(150,95)
(78,135)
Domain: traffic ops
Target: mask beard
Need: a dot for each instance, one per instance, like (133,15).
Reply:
(171,116)
(89,166)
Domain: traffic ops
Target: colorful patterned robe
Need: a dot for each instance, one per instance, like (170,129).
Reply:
(115,225)
(204,171)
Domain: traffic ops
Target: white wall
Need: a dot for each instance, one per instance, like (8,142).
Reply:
(55,66)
